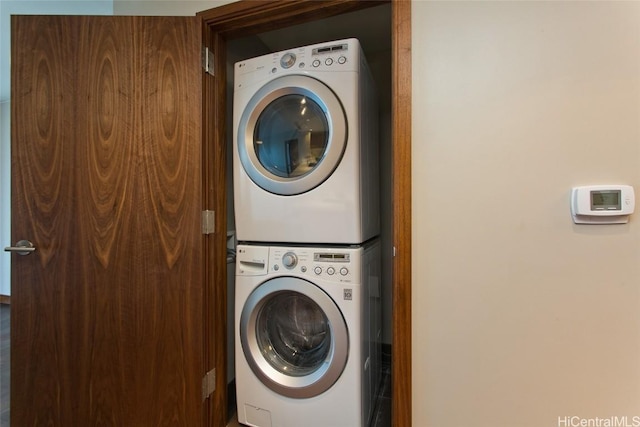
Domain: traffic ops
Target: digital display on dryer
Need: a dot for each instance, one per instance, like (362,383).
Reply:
(328,49)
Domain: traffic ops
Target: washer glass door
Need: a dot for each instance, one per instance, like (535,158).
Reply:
(294,337)
(292,135)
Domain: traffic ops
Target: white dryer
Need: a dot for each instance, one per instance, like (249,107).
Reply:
(307,335)
(306,146)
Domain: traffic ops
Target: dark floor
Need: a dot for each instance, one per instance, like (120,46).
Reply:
(4,364)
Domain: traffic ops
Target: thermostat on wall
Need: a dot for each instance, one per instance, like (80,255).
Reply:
(602,204)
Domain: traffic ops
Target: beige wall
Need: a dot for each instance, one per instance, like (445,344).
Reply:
(164,8)
(520,316)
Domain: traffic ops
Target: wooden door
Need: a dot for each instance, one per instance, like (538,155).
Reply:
(107,313)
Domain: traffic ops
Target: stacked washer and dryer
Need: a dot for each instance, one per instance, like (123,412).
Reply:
(306,200)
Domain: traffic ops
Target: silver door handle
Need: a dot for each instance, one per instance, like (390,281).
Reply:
(23,247)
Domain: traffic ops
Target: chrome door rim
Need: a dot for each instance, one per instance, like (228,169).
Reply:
(303,386)
(337,124)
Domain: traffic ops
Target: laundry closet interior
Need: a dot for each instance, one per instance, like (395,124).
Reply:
(372,28)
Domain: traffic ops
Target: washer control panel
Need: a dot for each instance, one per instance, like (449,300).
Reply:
(327,264)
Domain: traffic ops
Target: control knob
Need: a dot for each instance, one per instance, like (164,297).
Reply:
(289,260)
(287,60)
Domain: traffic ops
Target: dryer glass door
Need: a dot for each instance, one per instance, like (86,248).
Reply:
(292,135)
(294,337)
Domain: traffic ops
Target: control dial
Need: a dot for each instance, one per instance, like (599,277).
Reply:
(289,260)
(287,60)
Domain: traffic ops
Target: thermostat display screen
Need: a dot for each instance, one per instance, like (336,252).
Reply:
(605,200)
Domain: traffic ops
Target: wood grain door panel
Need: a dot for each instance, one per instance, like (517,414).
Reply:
(107,168)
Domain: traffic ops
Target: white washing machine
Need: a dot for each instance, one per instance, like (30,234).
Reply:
(306,146)
(307,335)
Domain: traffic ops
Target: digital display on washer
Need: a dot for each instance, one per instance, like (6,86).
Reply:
(331,257)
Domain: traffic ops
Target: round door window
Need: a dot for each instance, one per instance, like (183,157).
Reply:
(292,135)
(294,333)
(294,337)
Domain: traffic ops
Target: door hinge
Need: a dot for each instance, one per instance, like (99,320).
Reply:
(207,61)
(208,384)
(208,222)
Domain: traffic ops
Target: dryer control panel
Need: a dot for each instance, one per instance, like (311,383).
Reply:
(341,55)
